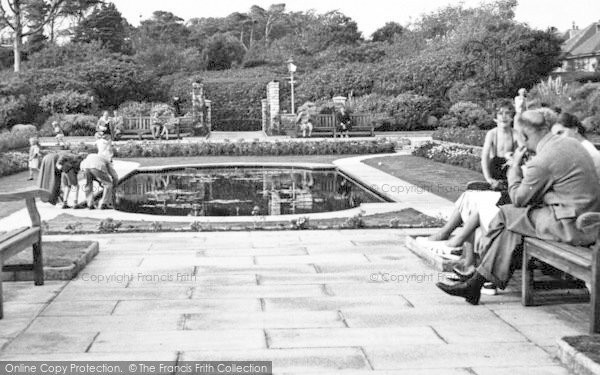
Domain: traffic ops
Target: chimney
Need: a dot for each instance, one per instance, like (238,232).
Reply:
(574,29)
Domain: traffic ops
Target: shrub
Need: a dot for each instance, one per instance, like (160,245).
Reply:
(465,114)
(403,112)
(68,101)
(162,110)
(13,162)
(15,140)
(470,136)
(72,125)
(135,109)
(11,109)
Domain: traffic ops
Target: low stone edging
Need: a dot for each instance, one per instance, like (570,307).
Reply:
(577,362)
(58,273)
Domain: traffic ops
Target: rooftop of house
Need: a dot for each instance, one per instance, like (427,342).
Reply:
(583,42)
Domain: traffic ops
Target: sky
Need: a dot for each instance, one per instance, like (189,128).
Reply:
(370,14)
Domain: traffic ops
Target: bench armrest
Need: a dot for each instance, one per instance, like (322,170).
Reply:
(18,195)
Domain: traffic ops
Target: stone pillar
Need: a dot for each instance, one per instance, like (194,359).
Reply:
(265,115)
(273,104)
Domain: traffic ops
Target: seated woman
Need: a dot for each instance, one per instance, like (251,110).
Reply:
(569,125)
(476,208)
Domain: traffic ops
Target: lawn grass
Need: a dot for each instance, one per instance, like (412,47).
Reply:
(444,180)
(56,254)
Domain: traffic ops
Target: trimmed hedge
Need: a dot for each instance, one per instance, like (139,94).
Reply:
(72,125)
(462,156)
(133,149)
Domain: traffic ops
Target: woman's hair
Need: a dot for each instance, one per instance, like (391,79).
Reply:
(572,122)
(505,104)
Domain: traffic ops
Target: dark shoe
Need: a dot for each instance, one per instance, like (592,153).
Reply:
(469,292)
(30,179)
(91,208)
(65,206)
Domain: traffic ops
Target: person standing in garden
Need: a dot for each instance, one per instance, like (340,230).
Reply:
(117,123)
(521,101)
(34,156)
(103,127)
(58,133)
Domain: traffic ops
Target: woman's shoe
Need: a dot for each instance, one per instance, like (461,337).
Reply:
(489,289)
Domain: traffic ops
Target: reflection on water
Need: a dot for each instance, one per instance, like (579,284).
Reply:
(239,192)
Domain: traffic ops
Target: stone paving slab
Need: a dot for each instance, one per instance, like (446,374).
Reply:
(164,322)
(186,306)
(129,341)
(304,360)
(108,356)
(343,337)
(81,308)
(283,319)
(57,341)
(334,303)
(523,370)
(84,293)
(443,356)
(259,291)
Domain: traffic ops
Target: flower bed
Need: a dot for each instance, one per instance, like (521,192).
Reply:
(462,156)
(406,218)
(134,149)
(469,136)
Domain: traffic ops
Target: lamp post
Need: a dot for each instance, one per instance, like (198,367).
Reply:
(291,68)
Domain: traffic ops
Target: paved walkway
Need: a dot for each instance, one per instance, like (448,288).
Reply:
(310,301)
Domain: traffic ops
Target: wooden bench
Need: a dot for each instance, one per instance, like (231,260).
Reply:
(326,126)
(140,127)
(18,240)
(580,262)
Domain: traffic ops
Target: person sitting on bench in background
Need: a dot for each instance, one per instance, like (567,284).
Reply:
(552,189)
(344,122)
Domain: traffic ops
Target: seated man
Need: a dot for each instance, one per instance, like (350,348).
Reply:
(156,127)
(344,122)
(548,194)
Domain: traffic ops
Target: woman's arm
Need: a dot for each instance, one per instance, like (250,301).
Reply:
(485,155)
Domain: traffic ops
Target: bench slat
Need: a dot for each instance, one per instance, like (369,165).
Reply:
(19,242)
(12,233)
(577,254)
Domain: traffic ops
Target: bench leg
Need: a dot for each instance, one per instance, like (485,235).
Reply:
(595,291)
(527,287)
(1,297)
(38,264)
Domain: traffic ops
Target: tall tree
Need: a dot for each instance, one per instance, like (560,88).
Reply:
(164,27)
(105,25)
(23,17)
(387,32)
